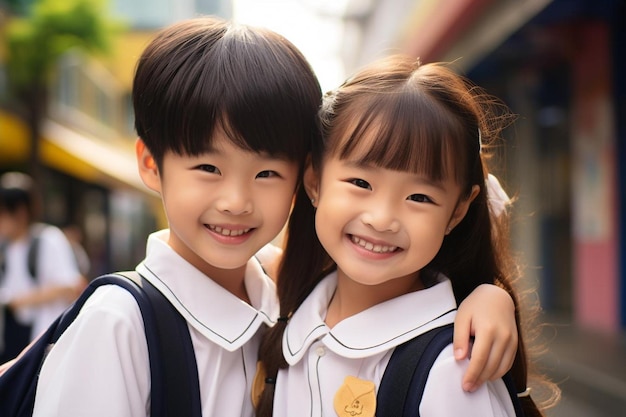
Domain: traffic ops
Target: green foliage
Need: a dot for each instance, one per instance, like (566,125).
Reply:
(35,42)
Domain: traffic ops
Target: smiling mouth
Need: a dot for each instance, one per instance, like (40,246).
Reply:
(372,247)
(228,232)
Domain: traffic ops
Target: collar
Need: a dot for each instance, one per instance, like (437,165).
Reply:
(375,330)
(210,309)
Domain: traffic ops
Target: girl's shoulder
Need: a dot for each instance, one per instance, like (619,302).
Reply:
(448,398)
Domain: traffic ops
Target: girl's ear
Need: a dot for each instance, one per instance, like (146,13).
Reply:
(148,169)
(461,209)
(311,182)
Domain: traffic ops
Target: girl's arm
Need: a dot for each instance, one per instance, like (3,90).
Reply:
(488,314)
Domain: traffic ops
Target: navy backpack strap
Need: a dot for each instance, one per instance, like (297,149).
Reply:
(510,387)
(402,386)
(180,388)
(18,384)
(396,385)
(175,389)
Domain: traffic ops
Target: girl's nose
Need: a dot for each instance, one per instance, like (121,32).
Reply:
(381,219)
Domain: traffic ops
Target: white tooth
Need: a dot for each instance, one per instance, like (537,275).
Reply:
(377,248)
(218,229)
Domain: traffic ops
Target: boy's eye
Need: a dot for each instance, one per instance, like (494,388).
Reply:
(420,198)
(360,183)
(267,174)
(212,169)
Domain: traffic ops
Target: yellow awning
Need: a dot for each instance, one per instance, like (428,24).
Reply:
(77,154)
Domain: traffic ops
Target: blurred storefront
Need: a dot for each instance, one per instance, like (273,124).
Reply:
(559,65)
(87,143)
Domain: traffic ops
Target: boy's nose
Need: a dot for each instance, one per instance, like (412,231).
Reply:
(235,202)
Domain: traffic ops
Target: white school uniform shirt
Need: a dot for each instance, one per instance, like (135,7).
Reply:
(320,358)
(56,266)
(99,367)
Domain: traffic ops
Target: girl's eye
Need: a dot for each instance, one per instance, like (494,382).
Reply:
(267,174)
(212,169)
(420,198)
(360,183)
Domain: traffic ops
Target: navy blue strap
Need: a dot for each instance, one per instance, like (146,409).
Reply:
(175,389)
(402,386)
(180,388)
(396,385)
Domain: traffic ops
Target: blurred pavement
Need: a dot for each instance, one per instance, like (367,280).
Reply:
(589,367)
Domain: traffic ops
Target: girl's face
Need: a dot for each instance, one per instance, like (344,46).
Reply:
(222,206)
(380,225)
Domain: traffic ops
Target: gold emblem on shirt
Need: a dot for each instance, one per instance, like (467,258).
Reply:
(355,398)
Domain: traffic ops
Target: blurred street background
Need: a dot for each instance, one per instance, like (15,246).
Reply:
(66,69)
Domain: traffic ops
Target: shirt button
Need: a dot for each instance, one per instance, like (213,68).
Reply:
(320,351)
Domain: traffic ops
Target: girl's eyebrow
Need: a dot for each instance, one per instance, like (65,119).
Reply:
(352,163)
(419,179)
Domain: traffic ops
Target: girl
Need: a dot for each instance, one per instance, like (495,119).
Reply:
(404,233)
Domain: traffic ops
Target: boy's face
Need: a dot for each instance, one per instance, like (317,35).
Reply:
(381,225)
(222,206)
(13,225)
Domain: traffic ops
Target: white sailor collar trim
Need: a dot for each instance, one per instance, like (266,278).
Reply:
(372,331)
(210,309)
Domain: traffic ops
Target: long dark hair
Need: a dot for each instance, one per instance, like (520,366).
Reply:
(426,119)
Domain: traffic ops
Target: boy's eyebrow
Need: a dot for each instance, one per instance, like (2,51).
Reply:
(210,149)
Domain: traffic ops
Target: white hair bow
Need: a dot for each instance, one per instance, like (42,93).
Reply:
(496,196)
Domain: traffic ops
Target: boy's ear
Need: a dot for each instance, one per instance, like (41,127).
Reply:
(148,169)
(461,209)
(311,182)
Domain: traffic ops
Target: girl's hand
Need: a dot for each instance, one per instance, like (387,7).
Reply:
(488,314)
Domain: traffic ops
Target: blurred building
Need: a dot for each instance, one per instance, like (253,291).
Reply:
(87,144)
(559,65)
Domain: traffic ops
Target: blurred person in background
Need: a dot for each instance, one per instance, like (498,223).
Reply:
(75,236)
(39,275)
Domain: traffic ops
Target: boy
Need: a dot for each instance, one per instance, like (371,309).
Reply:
(225,116)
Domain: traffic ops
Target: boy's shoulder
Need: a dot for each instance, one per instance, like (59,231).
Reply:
(110,309)
(269,257)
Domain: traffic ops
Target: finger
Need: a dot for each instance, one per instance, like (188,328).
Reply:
(461,339)
(479,359)
(493,362)
(499,360)
(507,360)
